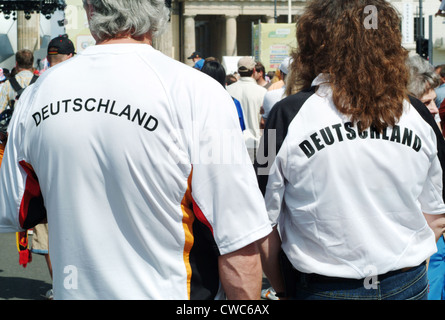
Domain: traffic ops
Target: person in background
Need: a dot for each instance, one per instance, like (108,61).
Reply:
(230,78)
(277,81)
(422,84)
(197,59)
(251,97)
(260,75)
(441,11)
(271,76)
(273,96)
(348,223)
(60,49)
(11,88)
(210,59)
(440,91)
(2,135)
(2,77)
(136,207)
(23,75)
(216,70)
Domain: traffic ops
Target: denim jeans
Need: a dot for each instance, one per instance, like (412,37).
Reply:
(396,285)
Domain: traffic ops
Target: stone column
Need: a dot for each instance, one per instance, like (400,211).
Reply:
(231,49)
(189,38)
(164,42)
(28,35)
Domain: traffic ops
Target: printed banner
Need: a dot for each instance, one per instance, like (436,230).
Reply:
(272,42)
(77,25)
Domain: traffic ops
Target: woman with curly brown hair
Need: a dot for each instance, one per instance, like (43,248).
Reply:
(354,189)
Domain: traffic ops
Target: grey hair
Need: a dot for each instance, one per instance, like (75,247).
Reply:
(111,18)
(423,78)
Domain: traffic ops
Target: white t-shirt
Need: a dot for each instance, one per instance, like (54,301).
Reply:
(271,98)
(251,96)
(144,174)
(348,205)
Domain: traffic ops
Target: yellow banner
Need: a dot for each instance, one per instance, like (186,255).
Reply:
(77,25)
(272,42)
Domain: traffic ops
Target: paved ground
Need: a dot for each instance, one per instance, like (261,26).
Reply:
(16,282)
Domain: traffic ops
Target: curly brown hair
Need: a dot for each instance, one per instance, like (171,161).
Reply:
(366,66)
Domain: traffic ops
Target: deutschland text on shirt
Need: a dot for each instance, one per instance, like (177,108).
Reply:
(346,131)
(96,105)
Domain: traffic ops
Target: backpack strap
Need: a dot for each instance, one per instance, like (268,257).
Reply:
(15,85)
(34,79)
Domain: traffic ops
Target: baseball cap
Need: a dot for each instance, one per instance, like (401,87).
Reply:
(246,63)
(285,64)
(195,54)
(61,45)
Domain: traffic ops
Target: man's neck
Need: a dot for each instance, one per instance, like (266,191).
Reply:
(262,82)
(18,70)
(146,39)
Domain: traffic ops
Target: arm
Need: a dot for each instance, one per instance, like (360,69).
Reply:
(241,274)
(4,96)
(436,223)
(270,248)
(21,200)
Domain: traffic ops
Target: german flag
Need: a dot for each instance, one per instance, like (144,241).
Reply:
(23,248)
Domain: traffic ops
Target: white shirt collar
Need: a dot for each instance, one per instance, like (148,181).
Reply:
(322,78)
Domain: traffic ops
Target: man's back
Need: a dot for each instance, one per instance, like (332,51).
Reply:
(251,97)
(126,177)
(7,92)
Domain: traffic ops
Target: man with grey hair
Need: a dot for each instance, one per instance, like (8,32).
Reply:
(423,80)
(139,204)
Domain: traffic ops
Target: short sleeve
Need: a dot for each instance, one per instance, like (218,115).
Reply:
(430,199)
(224,185)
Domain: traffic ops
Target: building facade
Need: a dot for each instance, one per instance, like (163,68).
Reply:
(216,28)
(224,27)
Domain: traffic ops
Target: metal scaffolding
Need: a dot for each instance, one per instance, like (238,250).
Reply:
(45,7)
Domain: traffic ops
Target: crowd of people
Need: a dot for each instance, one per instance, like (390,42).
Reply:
(13,84)
(190,183)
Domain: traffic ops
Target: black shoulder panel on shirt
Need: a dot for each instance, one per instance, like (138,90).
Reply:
(279,119)
(428,117)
